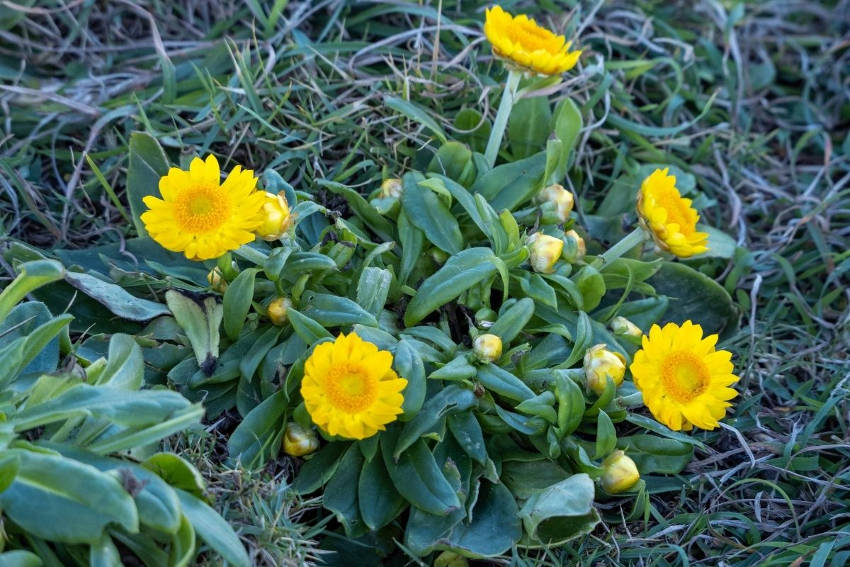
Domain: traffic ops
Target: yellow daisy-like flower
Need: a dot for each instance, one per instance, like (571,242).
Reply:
(350,389)
(684,380)
(521,41)
(669,217)
(201,216)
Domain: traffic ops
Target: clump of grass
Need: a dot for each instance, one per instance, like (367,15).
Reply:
(750,98)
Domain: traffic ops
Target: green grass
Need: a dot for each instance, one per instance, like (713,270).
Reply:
(752,98)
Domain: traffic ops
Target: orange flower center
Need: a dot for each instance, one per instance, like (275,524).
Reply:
(677,210)
(202,209)
(684,376)
(350,387)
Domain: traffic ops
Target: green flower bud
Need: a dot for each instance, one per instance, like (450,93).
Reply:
(600,364)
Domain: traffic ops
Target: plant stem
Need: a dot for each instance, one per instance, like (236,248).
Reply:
(632,239)
(498,131)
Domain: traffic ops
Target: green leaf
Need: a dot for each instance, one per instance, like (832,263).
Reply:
(340,496)
(50,489)
(571,403)
(529,126)
(156,501)
(115,298)
(9,465)
(513,320)
(458,368)
(377,498)
(237,302)
(335,311)
(567,126)
(412,243)
(494,527)
(121,407)
(429,213)
(103,553)
(200,321)
(177,472)
(308,329)
(257,438)
(591,286)
(695,297)
(503,383)
(31,276)
(508,185)
(606,435)
(656,454)
(316,471)
(148,163)
(461,272)
(417,477)
(454,160)
(125,367)
(213,530)
(449,400)
(373,288)
(720,244)
(477,129)
(19,558)
(408,364)
(182,544)
(417,114)
(361,208)
(561,512)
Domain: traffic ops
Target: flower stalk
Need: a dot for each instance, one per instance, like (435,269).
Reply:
(501,122)
(628,242)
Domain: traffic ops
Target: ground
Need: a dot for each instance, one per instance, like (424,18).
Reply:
(752,98)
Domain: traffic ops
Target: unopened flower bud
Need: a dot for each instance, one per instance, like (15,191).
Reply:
(298,441)
(558,200)
(216,280)
(619,473)
(439,256)
(487,347)
(544,251)
(574,247)
(450,559)
(277,310)
(391,188)
(276,217)
(624,328)
(485,317)
(601,364)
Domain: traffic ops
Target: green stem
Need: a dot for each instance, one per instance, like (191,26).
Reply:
(632,239)
(498,131)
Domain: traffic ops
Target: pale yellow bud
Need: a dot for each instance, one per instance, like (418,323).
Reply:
(298,441)
(450,559)
(625,328)
(216,280)
(544,251)
(619,473)
(600,364)
(391,188)
(277,310)
(487,347)
(560,200)
(276,217)
(574,247)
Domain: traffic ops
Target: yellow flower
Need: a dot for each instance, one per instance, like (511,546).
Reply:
(487,347)
(601,364)
(684,380)
(669,217)
(298,441)
(350,389)
(519,40)
(544,252)
(200,216)
(619,473)
(276,217)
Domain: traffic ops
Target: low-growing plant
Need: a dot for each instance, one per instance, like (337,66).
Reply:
(81,480)
(459,355)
